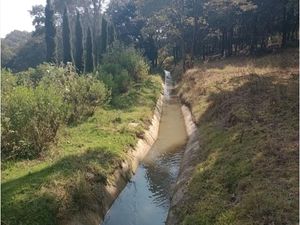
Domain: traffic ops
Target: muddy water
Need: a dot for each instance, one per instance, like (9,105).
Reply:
(146,198)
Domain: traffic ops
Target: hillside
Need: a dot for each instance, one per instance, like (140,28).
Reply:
(246,110)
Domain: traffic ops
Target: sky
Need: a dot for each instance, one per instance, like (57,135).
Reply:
(14,15)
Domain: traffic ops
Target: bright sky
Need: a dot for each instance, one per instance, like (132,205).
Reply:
(14,15)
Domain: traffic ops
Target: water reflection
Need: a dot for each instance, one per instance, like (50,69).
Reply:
(145,200)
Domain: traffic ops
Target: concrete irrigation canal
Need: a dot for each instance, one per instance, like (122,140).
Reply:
(146,198)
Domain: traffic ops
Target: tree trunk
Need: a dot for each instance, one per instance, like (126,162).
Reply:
(203,52)
(230,41)
(284,26)
(254,37)
(194,38)
(224,41)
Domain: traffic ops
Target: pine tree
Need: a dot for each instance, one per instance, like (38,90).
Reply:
(89,65)
(78,45)
(67,49)
(103,36)
(50,33)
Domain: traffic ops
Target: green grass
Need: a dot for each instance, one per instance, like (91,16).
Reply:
(247,171)
(69,177)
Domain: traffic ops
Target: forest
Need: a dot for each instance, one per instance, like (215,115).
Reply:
(80,91)
(186,29)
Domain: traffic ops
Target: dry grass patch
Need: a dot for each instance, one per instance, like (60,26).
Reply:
(247,113)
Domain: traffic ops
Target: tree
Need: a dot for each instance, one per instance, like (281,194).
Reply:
(67,49)
(111,34)
(103,35)
(38,14)
(127,23)
(29,54)
(90,11)
(11,45)
(78,45)
(50,33)
(89,65)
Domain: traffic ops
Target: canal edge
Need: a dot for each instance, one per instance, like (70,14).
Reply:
(187,166)
(122,175)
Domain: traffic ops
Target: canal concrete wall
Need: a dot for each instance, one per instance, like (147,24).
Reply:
(116,183)
(135,156)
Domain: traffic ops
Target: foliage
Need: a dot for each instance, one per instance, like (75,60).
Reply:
(78,45)
(111,34)
(66,33)
(133,95)
(104,35)
(11,44)
(89,65)
(31,54)
(59,186)
(115,78)
(36,102)
(205,29)
(124,18)
(38,14)
(84,95)
(129,20)
(129,59)
(81,94)
(50,33)
(8,81)
(30,120)
(122,67)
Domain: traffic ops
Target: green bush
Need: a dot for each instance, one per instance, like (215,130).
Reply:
(30,120)
(32,77)
(83,96)
(115,78)
(36,102)
(121,68)
(8,81)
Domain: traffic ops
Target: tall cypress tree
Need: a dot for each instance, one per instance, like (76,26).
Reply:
(50,33)
(67,49)
(103,36)
(89,65)
(111,34)
(78,44)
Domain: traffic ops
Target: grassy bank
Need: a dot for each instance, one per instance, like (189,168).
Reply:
(246,110)
(69,177)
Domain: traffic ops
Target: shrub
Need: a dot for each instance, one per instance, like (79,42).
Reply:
(122,66)
(83,96)
(115,78)
(36,102)
(30,120)
(8,81)
(32,77)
